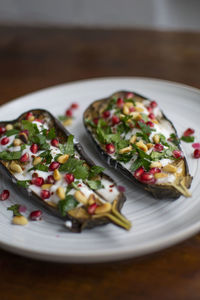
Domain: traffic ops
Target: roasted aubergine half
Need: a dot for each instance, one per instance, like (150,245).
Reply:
(51,167)
(134,136)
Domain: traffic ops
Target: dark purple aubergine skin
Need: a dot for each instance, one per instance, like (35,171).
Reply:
(157,191)
(77,224)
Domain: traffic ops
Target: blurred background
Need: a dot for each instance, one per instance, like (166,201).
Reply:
(155,14)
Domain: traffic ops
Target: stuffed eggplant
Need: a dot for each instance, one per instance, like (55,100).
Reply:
(52,169)
(135,137)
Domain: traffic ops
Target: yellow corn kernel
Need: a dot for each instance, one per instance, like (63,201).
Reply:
(169,169)
(139,109)
(31,118)
(17,142)
(125,150)
(155,121)
(91,199)
(133,139)
(46,186)
(56,175)
(155,164)
(156,138)
(60,192)
(80,197)
(15,167)
(104,208)
(142,146)
(37,160)
(9,127)
(19,220)
(129,104)
(136,115)
(160,175)
(63,158)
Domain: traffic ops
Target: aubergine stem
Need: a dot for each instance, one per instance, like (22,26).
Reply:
(115,217)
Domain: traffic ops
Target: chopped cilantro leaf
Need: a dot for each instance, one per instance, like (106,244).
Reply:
(90,123)
(15,209)
(51,134)
(144,117)
(187,139)
(94,171)
(10,155)
(136,164)
(67,204)
(95,184)
(76,167)
(31,127)
(23,183)
(39,167)
(40,140)
(174,139)
(11,132)
(68,147)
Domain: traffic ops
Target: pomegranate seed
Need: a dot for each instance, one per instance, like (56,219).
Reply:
(5,141)
(188,132)
(115,120)
(69,178)
(55,142)
(158,147)
(95,121)
(50,179)
(22,208)
(106,114)
(2,130)
(132,109)
(138,172)
(92,208)
(40,121)
(24,157)
(110,148)
(120,102)
(37,181)
(34,148)
(74,105)
(121,188)
(148,178)
(36,215)
(196,153)
(149,108)
(45,194)
(177,153)
(69,113)
(150,124)
(34,175)
(154,170)
(28,115)
(54,165)
(152,116)
(196,145)
(153,104)
(129,96)
(4,195)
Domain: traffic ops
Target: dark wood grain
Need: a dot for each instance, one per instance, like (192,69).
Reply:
(31,59)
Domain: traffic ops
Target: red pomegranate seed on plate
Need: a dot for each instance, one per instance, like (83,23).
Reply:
(92,208)
(69,178)
(54,165)
(149,108)
(153,104)
(121,188)
(106,114)
(158,147)
(177,153)
(154,170)
(115,120)
(37,181)
(129,96)
(74,105)
(28,115)
(95,121)
(5,141)
(110,148)
(24,157)
(45,194)
(196,145)
(50,179)
(152,116)
(132,109)
(196,153)
(55,142)
(188,132)
(36,215)
(148,178)
(2,130)
(120,102)
(150,124)
(34,148)
(138,172)
(69,113)
(4,195)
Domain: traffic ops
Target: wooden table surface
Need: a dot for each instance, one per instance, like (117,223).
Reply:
(31,59)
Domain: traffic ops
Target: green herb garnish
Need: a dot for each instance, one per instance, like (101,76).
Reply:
(23,183)
(10,155)
(68,147)
(95,184)
(76,167)
(188,139)
(11,132)
(94,171)
(15,209)
(67,204)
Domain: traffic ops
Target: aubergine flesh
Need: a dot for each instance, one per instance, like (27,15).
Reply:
(135,137)
(50,167)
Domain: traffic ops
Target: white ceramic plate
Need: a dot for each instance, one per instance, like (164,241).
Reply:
(156,224)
